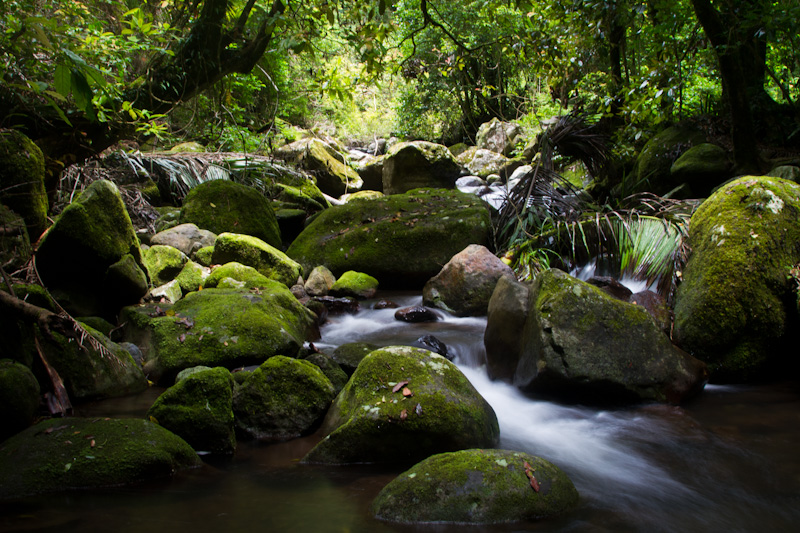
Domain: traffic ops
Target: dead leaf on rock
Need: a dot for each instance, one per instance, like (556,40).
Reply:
(399,386)
(403,414)
(182,337)
(407,392)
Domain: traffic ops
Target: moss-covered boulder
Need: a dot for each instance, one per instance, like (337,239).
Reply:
(282,399)
(224,206)
(199,409)
(218,327)
(483,163)
(465,284)
(477,487)
(498,136)
(164,263)
(333,176)
(81,453)
(412,165)
(94,368)
(355,284)
(401,240)
(580,343)
(169,292)
(189,147)
(204,256)
(787,172)
(75,258)
(702,167)
(23,187)
(652,170)
(330,368)
(15,244)
(403,404)
(258,254)
(349,355)
(735,307)
(192,276)
(248,276)
(19,397)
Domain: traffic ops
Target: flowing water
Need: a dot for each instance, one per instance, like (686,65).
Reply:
(726,462)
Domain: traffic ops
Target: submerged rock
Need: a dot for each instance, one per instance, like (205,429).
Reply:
(282,399)
(199,409)
(477,487)
(580,343)
(401,240)
(403,404)
(81,453)
(735,309)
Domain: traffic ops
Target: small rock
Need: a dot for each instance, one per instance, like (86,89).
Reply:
(417,314)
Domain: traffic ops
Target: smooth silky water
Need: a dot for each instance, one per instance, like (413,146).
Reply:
(727,461)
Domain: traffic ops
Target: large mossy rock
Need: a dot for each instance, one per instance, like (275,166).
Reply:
(224,206)
(401,240)
(254,252)
(702,167)
(282,399)
(403,404)
(477,487)
(735,309)
(164,263)
(199,409)
(355,284)
(22,189)
(96,368)
(90,258)
(320,159)
(81,453)
(218,327)
(247,276)
(580,343)
(15,244)
(652,170)
(498,136)
(412,165)
(466,283)
(19,397)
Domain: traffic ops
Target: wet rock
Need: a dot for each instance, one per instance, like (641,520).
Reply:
(611,286)
(385,304)
(332,370)
(349,355)
(345,304)
(403,404)
(416,314)
(656,307)
(333,176)
(477,487)
(498,136)
(429,342)
(507,314)
(23,189)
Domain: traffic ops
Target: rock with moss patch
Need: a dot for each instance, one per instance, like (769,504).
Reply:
(190,147)
(484,163)
(96,368)
(15,244)
(164,263)
(401,240)
(580,343)
(81,453)
(282,399)
(350,354)
(169,292)
(249,276)
(465,284)
(23,187)
(319,282)
(371,171)
(19,397)
(412,165)
(652,171)
(362,195)
(498,136)
(403,404)
(330,368)
(192,276)
(477,487)
(224,206)
(735,309)
(702,167)
(93,233)
(218,327)
(199,409)
(258,254)
(786,172)
(187,238)
(355,284)
(333,176)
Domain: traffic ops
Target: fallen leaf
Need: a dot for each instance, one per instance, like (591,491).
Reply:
(534,484)
(182,337)
(188,322)
(418,410)
(407,392)
(403,414)
(399,386)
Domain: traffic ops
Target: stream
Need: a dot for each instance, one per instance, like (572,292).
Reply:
(727,461)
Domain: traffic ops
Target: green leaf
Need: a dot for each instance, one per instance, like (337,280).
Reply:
(62,79)
(82,92)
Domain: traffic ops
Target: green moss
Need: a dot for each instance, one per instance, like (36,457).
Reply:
(76,453)
(410,165)
(23,187)
(19,397)
(401,240)
(369,422)
(199,409)
(204,256)
(229,328)
(477,487)
(330,368)
(192,277)
(164,263)
(356,284)
(15,245)
(349,355)
(224,206)
(731,309)
(282,399)
(250,251)
(652,171)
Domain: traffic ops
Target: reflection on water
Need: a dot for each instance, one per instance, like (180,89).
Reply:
(726,462)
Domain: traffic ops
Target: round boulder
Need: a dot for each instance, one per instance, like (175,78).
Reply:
(19,397)
(355,284)
(411,165)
